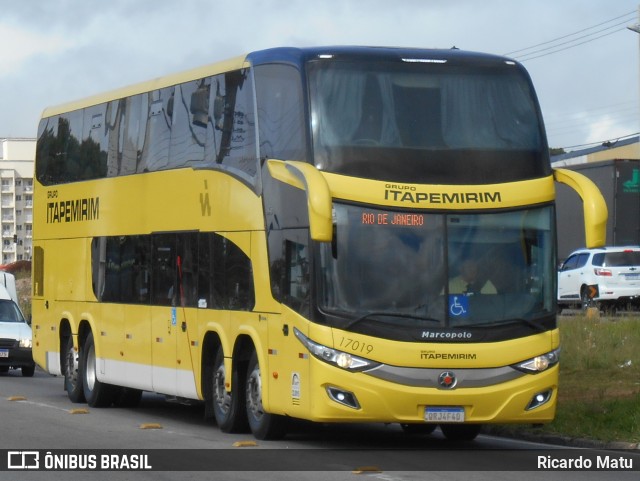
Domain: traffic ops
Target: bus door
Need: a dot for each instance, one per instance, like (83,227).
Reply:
(172,371)
(164,319)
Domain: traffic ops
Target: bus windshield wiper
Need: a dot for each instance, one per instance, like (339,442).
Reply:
(389,314)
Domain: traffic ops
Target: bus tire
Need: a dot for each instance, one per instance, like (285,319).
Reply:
(97,393)
(460,432)
(228,406)
(263,425)
(71,371)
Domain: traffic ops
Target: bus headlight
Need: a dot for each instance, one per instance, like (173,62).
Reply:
(539,363)
(340,359)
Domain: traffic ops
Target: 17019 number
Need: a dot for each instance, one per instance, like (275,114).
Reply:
(356,346)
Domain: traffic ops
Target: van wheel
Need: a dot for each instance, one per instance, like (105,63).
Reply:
(70,368)
(27,371)
(98,394)
(263,425)
(228,406)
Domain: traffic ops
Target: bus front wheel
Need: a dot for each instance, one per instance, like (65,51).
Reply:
(263,425)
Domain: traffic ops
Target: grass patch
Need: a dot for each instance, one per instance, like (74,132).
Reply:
(599,394)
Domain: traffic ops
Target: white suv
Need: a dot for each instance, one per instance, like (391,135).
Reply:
(607,276)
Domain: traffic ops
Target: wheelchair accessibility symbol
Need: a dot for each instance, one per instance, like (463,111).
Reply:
(458,305)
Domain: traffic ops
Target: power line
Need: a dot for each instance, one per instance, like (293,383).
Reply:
(520,59)
(601,142)
(561,46)
(569,35)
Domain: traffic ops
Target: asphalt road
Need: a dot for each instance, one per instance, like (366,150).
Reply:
(36,416)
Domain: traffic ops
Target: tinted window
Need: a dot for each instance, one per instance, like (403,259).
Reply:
(621,259)
(207,122)
(598,259)
(234,140)
(426,122)
(93,148)
(582,260)
(121,267)
(188,269)
(157,138)
(125,124)
(570,263)
(58,150)
(191,123)
(163,273)
(280,112)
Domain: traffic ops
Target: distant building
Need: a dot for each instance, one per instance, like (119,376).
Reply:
(16,174)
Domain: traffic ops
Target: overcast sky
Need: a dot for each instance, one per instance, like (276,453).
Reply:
(53,51)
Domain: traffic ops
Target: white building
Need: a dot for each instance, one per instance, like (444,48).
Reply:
(16,174)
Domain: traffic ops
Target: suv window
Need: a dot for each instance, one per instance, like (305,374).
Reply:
(582,260)
(570,263)
(575,261)
(617,259)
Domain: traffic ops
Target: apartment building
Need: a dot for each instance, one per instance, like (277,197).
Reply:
(16,175)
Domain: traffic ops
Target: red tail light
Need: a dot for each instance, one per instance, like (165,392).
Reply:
(602,272)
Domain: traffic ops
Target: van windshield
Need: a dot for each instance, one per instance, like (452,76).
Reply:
(9,312)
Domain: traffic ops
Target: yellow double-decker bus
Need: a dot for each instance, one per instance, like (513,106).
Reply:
(341,234)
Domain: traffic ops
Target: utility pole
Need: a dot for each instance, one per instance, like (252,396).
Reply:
(636,28)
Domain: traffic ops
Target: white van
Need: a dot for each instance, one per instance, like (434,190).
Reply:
(15,332)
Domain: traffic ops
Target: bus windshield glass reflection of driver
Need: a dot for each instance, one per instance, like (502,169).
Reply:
(470,280)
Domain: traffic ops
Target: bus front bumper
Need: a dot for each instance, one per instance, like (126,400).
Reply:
(348,396)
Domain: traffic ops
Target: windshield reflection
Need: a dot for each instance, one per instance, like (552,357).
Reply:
(456,269)
(440,119)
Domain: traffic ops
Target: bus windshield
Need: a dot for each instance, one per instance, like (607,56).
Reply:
(440,270)
(426,122)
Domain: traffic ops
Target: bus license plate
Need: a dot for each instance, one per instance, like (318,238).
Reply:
(444,414)
(4,352)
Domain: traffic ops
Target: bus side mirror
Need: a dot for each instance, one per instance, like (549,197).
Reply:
(319,203)
(593,204)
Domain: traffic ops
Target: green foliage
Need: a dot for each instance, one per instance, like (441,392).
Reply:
(599,392)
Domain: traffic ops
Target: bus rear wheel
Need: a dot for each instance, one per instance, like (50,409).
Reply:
(263,425)
(97,393)
(228,406)
(72,379)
